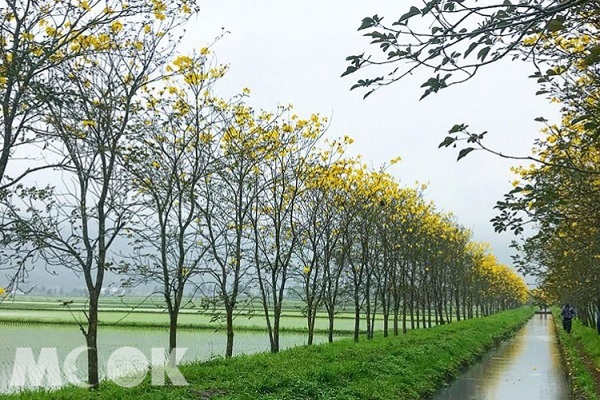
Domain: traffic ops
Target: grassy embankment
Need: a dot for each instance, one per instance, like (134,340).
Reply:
(581,356)
(411,366)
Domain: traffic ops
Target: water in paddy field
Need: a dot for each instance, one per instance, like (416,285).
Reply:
(527,367)
(200,344)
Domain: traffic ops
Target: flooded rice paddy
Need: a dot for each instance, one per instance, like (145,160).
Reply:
(200,344)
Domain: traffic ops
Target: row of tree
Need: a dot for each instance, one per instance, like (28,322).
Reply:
(159,180)
(558,195)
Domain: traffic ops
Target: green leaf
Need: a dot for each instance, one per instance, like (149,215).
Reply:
(367,23)
(472,47)
(593,57)
(349,70)
(579,119)
(447,141)
(368,94)
(554,25)
(483,53)
(411,13)
(464,152)
(473,138)
(425,94)
(457,128)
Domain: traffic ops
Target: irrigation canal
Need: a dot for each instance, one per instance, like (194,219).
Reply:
(527,367)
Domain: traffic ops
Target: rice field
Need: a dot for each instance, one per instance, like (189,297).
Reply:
(131,312)
(200,345)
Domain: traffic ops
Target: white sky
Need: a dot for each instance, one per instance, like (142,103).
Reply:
(294,52)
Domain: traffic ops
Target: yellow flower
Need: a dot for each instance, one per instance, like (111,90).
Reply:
(306,270)
(28,36)
(51,31)
(183,62)
(2,291)
(85,5)
(116,27)
(531,40)
(88,123)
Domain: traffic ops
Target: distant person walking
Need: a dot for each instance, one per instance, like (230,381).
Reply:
(567,314)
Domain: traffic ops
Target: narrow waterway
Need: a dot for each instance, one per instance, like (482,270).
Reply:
(527,367)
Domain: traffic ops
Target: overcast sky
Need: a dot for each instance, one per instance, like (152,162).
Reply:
(294,52)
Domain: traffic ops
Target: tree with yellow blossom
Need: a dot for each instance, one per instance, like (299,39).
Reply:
(559,193)
(171,159)
(289,141)
(90,106)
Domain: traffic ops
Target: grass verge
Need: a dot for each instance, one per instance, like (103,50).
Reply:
(411,366)
(581,356)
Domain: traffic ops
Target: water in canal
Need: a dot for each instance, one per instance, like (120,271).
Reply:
(525,368)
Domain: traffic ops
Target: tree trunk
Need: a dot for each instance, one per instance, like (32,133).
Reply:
(92,343)
(386,320)
(230,334)
(417,315)
(598,317)
(173,330)
(275,341)
(356,319)
(173,336)
(330,332)
(457,305)
(441,312)
(396,330)
(311,325)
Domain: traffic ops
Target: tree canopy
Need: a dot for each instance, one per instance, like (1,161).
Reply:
(455,38)
(557,194)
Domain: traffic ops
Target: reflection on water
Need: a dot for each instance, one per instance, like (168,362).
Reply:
(200,344)
(526,367)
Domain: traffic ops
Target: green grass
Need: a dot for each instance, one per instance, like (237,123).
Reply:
(581,354)
(411,366)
